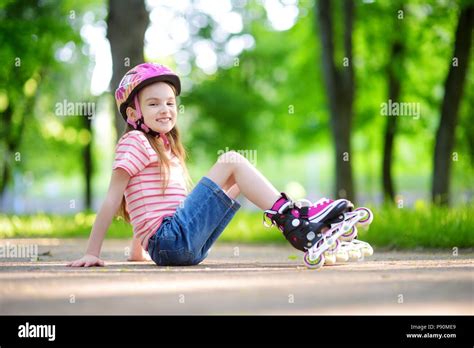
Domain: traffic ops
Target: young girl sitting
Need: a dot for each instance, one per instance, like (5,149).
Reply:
(149,184)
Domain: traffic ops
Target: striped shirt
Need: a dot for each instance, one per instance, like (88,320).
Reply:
(146,204)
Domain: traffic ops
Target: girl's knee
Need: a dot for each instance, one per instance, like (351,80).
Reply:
(231,157)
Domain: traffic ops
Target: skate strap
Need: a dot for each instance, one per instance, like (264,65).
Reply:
(265,223)
(284,206)
(269,211)
(304,212)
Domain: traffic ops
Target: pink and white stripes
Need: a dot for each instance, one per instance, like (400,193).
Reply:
(146,203)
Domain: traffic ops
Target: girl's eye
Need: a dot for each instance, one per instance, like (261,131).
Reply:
(170,104)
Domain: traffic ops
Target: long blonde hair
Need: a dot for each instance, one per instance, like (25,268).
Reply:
(177,149)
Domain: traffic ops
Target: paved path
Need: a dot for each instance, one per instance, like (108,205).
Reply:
(235,279)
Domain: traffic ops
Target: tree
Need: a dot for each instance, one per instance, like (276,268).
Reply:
(394,72)
(88,167)
(339,82)
(28,55)
(453,87)
(126,25)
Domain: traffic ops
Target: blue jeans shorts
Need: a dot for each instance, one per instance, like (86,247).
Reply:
(185,238)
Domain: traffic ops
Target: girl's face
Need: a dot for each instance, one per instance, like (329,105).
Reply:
(158,106)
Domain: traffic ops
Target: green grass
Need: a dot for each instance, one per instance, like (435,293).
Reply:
(57,226)
(421,226)
(424,226)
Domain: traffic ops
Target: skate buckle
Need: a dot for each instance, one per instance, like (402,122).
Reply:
(266,219)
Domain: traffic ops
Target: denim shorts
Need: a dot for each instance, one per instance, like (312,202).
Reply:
(185,238)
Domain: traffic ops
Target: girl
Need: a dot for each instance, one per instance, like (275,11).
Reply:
(149,184)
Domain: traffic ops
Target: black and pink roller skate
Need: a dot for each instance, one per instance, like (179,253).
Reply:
(301,222)
(319,229)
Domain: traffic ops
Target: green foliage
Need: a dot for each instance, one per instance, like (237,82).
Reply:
(425,226)
(273,100)
(247,106)
(56,226)
(270,97)
(33,80)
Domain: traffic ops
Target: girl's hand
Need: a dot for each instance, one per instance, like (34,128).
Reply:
(87,261)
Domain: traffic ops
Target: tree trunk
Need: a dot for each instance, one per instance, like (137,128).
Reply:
(394,86)
(453,88)
(126,25)
(339,81)
(7,116)
(88,165)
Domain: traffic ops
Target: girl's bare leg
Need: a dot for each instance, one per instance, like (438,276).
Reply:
(229,183)
(253,185)
(231,188)
(233,192)
(136,252)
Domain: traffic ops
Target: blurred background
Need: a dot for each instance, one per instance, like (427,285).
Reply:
(364,99)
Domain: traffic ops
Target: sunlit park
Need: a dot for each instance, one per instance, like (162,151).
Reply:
(363,101)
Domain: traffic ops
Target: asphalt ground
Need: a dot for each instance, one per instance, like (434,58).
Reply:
(235,279)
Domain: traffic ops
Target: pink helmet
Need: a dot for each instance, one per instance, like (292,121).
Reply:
(138,77)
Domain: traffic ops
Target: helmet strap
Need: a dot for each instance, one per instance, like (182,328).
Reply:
(139,124)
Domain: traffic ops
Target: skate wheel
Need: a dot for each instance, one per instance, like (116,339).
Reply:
(313,264)
(369,217)
(350,235)
(355,255)
(329,259)
(342,256)
(367,251)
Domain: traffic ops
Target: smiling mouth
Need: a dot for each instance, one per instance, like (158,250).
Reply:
(163,120)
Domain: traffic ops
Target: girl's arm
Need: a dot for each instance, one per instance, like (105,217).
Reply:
(109,207)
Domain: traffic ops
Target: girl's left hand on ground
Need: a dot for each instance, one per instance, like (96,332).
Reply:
(87,261)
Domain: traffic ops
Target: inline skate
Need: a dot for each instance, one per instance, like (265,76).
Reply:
(308,226)
(339,243)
